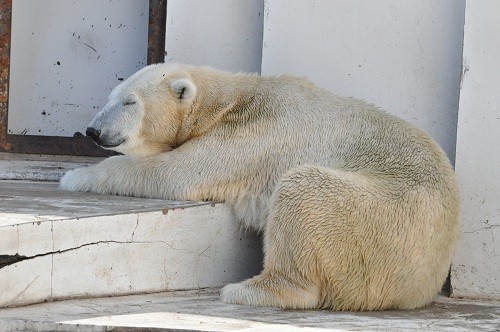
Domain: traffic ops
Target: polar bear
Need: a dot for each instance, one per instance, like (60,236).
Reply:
(358,209)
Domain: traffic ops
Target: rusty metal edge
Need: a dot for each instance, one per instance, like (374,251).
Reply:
(156,31)
(78,146)
(5,20)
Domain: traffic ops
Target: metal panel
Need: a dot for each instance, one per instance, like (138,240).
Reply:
(78,145)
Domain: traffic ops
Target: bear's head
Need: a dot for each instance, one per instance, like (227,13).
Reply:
(144,113)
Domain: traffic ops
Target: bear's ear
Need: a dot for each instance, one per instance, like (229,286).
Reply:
(183,88)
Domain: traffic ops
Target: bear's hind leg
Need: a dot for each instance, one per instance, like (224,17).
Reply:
(272,290)
(291,277)
(349,241)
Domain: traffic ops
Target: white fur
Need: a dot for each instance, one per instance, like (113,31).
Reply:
(359,209)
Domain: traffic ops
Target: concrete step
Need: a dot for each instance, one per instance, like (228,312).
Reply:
(58,245)
(202,311)
(16,166)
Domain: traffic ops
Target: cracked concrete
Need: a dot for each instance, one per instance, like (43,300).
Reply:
(6,260)
(59,245)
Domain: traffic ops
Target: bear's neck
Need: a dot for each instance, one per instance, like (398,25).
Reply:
(221,97)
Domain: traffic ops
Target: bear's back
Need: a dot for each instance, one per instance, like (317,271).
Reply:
(346,133)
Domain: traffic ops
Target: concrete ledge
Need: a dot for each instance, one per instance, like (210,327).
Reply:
(202,311)
(58,245)
(16,166)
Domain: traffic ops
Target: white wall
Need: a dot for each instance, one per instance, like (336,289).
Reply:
(403,56)
(66,56)
(225,34)
(476,270)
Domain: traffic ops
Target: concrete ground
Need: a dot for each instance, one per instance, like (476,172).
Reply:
(202,311)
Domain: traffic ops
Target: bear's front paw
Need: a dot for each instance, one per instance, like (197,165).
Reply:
(79,179)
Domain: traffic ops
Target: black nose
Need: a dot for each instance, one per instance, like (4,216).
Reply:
(92,133)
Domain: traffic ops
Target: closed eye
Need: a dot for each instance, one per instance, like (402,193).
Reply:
(126,103)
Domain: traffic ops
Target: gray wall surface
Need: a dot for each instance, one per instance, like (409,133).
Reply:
(66,56)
